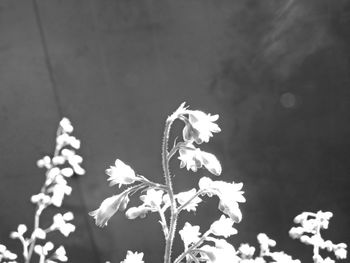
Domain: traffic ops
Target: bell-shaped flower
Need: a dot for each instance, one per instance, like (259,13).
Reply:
(222,252)
(223,227)
(200,126)
(183,197)
(189,234)
(193,158)
(135,212)
(108,208)
(231,209)
(229,194)
(246,251)
(211,163)
(60,254)
(121,174)
(340,251)
(153,198)
(60,223)
(133,257)
(66,125)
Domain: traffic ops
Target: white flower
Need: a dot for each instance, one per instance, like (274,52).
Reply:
(135,212)
(193,158)
(229,193)
(67,172)
(265,243)
(327,260)
(283,257)
(223,227)
(43,250)
(189,234)
(133,257)
(153,198)
(121,174)
(58,160)
(39,233)
(108,208)
(74,160)
(58,191)
(183,197)
(40,198)
(223,252)
(66,125)
(21,229)
(296,232)
(60,254)
(44,162)
(65,139)
(60,224)
(340,251)
(200,126)
(246,251)
(7,254)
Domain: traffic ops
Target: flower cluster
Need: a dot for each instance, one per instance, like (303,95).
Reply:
(63,164)
(211,246)
(6,255)
(309,233)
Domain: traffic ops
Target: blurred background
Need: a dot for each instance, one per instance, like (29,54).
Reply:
(277,72)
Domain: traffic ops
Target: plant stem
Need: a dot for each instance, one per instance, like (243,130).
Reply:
(316,249)
(168,182)
(194,246)
(36,226)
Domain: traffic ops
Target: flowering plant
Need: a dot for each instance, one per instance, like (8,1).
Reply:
(62,165)
(211,246)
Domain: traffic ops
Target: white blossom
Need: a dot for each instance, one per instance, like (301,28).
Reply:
(74,160)
(200,126)
(60,254)
(229,194)
(108,208)
(135,212)
(153,198)
(183,197)
(59,190)
(133,257)
(43,250)
(189,234)
(66,125)
(39,233)
(40,198)
(44,162)
(193,158)
(246,251)
(223,252)
(60,224)
(121,174)
(223,227)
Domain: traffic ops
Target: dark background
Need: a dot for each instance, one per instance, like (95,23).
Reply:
(277,73)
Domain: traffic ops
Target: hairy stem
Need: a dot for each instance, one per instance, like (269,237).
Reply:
(168,182)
